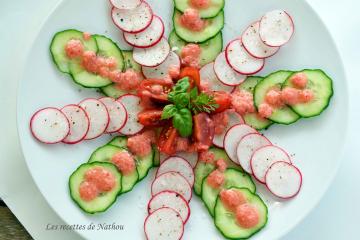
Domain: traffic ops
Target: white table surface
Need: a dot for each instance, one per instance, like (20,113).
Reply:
(336,217)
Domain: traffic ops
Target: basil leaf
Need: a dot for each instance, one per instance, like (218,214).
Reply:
(194,93)
(169,111)
(183,122)
(182,85)
(182,100)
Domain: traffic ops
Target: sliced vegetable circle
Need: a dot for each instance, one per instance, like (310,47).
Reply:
(132,105)
(79,123)
(152,56)
(162,71)
(226,74)
(117,114)
(208,76)
(126,4)
(49,125)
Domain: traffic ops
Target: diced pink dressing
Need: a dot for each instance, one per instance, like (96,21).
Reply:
(140,145)
(74,48)
(88,191)
(102,178)
(174,71)
(290,95)
(191,20)
(265,110)
(190,55)
(232,199)
(242,101)
(221,121)
(207,157)
(247,216)
(87,36)
(299,80)
(216,179)
(306,95)
(125,162)
(127,81)
(200,4)
(221,165)
(273,97)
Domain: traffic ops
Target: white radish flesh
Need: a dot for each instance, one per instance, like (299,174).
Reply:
(179,165)
(152,56)
(172,200)
(247,146)
(162,71)
(117,114)
(226,74)
(240,60)
(79,123)
(149,37)
(283,180)
(49,125)
(209,78)
(125,4)
(98,116)
(133,20)
(276,28)
(172,181)
(254,45)
(233,137)
(264,157)
(132,105)
(164,224)
(234,119)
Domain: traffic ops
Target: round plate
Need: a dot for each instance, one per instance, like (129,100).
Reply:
(316,143)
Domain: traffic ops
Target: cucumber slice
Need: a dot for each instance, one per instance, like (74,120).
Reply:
(202,170)
(129,63)
(156,156)
(215,7)
(253,119)
(322,87)
(283,115)
(209,49)
(104,154)
(104,200)
(233,178)
(58,43)
(215,25)
(143,164)
(108,48)
(225,220)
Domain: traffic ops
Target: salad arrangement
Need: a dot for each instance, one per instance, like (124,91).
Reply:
(185,96)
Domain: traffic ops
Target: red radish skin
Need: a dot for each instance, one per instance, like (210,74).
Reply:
(208,76)
(39,138)
(188,198)
(130,116)
(234,119)
(116,12)
(262,179)
(190,176)
(125,4)
(121,109)
(300,182)
(153,42)
(225,73)
(259,63)
(86,119)
(147,219)
(179,196)
(153,56)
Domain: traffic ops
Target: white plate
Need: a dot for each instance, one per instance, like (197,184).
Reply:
(317,142)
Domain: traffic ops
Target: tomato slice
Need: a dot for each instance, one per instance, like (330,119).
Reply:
(193,74)
(151,118)
(203,132)
(167,140)
(223,99)
(155,89)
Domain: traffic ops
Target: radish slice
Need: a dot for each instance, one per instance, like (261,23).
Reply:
(172,200)
(152,56)
(254,45)
(247,146)
(162,71)
(125,4)
(133,20)
(264,157)
(49,125)
(240,60)
(225,73)
(117,114)
(164,224)
(149,37)
(98,116)
(132,105)
(276,28)
(179,165)
(79,123)
(208,76)
(234,119)
(172,181)
(190,157)
(233,137)
(283,180)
